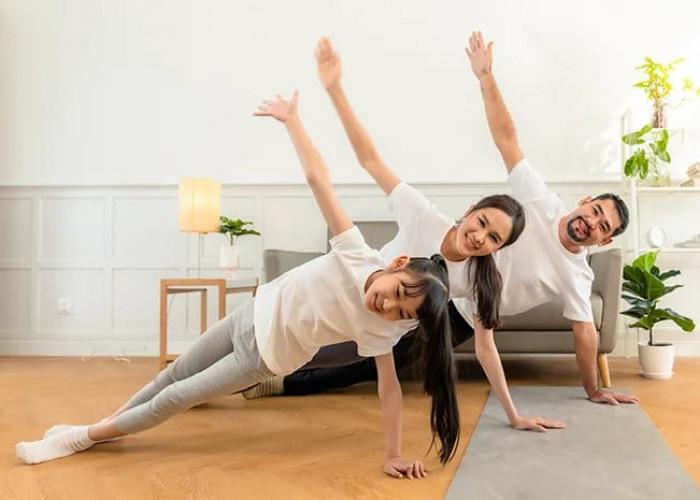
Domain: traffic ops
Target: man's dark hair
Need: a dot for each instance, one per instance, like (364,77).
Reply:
(621,208)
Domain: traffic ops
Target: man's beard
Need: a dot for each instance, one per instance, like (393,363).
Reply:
(572,232)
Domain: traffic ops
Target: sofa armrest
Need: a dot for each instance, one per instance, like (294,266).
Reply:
(607,268)
(278,262)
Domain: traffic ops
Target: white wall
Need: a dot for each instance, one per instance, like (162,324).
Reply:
(124,92)
(112,101)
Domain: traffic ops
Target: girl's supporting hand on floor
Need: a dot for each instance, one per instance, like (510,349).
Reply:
(400,468)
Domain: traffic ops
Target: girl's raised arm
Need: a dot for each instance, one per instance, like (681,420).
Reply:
(315,169)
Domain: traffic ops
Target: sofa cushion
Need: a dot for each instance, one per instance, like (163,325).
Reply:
(527,341)
(549,316)
(278,262)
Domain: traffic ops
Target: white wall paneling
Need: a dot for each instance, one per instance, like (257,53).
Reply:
(15,300)
(15,220)
(104,249)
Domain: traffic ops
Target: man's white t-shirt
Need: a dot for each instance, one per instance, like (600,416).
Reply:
(537,268)
(422,229)
(321,303)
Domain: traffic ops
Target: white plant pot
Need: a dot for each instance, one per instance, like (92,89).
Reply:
(228,259)
(656,360)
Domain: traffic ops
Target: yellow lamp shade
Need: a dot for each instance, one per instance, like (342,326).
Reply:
(200,205)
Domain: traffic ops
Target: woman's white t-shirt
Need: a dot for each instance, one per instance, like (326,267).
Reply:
(422,229)
(322,303)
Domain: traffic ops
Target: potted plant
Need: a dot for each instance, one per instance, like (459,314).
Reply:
(649,154)
(643,287)
(232,229)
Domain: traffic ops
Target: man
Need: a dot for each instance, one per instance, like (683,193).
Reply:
(556,240)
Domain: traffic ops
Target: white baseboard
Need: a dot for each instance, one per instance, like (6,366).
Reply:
(137,349)
(88,348)
(628,349)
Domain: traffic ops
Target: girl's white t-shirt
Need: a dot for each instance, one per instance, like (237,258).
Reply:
(322,303)
(422,229)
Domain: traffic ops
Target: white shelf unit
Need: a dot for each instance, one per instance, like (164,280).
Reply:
(664,250)
(686,135)
(672,189)
(637,192)
(680,256)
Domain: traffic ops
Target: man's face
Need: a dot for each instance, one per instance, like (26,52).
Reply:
(592,223)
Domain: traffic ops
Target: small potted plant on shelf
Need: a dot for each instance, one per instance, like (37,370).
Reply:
(643,287)
(649,156)
(232,229)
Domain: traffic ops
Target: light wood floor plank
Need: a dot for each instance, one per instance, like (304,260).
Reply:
(326,446)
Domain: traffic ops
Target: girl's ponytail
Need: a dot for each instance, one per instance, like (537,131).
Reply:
(440,373)
(440,377)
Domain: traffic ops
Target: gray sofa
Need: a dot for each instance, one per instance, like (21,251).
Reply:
(542,330)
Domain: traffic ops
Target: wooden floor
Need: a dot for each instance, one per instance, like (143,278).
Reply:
(328,446)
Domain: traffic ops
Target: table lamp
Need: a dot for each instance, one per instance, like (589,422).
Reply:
(200,206)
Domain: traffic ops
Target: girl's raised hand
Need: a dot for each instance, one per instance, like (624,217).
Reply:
(330,68)
(399,468)
(280,108)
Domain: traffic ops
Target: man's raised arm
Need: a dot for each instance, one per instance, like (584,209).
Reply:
(500,123)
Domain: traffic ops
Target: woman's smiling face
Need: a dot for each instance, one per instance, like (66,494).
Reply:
(482,232)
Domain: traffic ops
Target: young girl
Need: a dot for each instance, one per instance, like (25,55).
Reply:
(492,223)
(346,295)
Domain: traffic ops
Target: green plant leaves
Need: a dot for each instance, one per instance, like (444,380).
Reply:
(667,274)
(637,164)
(646,261)
(635,312)
(687,324)
(233,228)
(644,286)
(636,301)
(657,86)
(646,153)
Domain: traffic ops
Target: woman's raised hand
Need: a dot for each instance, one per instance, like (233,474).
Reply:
(280,108)
(330,69)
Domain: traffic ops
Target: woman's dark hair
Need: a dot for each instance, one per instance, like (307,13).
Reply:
(440,374)
(486,279)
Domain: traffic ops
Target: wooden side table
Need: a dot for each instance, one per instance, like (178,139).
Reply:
(197,285)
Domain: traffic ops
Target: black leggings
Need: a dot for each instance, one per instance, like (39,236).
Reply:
(315,380)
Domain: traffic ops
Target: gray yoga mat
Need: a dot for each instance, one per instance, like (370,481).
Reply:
(606,452)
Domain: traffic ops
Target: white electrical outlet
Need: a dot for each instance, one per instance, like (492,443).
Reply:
(65,306)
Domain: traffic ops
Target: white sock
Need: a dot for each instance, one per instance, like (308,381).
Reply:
(62,427)
(59,445)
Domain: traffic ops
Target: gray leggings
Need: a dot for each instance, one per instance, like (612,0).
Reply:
(224,360)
